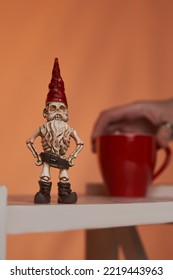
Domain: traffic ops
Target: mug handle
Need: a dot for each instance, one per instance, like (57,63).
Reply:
(164,164)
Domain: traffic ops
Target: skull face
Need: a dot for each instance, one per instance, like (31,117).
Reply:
(56,111)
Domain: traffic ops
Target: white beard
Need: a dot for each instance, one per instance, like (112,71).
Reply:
(56,137)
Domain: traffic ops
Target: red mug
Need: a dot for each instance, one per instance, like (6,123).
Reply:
(127,163)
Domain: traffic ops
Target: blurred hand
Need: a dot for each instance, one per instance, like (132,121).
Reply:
(149,117)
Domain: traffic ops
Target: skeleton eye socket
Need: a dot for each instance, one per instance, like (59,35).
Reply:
(52,108)
(62,108)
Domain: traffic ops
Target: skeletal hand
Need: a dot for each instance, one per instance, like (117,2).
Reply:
(70,160)
(39,161)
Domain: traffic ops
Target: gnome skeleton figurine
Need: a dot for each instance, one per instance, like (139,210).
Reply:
(55,138)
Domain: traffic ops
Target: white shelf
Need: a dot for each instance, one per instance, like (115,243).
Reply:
(20,215)
(91,212)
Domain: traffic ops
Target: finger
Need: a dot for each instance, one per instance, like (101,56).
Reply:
(99,127)
(164,136)
(105,120)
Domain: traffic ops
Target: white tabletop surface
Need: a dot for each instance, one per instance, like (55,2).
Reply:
(90,212)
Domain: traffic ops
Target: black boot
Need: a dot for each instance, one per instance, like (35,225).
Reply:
(65,194)
(43,196)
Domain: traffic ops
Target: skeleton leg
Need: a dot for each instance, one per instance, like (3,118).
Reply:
(45,174)
(63,176)
(43,196)
(65,194)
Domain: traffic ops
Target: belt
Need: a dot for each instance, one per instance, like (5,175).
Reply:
(55,161)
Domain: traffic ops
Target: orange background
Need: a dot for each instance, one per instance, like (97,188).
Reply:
(110,52)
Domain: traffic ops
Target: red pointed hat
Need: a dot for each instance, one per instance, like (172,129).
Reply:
(56,87)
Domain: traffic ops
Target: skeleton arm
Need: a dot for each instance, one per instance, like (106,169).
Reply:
(79,146)
(30,145)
